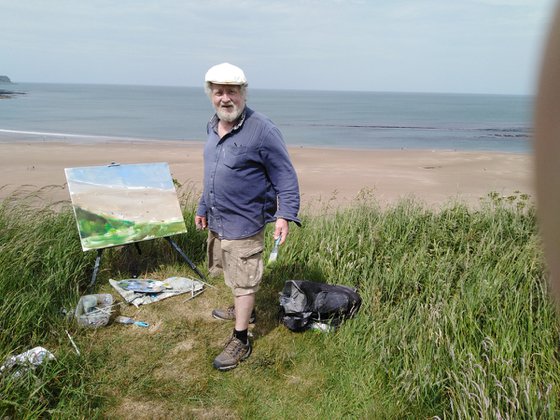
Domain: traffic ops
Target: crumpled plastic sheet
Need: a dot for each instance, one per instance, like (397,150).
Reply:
(173,286)
(27,360)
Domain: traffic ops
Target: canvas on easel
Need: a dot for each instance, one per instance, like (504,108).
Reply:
(122,204)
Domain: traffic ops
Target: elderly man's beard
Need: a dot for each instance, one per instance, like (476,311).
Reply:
(230,113)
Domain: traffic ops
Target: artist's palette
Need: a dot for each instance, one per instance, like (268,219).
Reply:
(142,286)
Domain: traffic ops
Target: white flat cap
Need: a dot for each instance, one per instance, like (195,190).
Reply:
(225,74)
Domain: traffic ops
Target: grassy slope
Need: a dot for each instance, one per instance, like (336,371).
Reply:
(455,322)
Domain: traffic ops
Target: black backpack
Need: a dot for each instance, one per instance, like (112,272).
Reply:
(303,303)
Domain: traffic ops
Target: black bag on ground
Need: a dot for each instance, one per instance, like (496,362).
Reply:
(304,302)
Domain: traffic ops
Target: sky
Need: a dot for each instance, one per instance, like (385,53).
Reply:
(456,46)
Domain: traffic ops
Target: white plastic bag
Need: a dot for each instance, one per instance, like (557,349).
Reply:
(27,360)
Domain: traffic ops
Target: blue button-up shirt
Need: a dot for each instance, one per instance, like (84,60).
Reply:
(249,179)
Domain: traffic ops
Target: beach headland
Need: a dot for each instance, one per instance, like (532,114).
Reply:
(335,176)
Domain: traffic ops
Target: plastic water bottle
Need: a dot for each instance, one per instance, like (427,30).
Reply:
(127,320)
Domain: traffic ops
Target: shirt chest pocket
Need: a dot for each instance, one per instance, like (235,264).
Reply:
(235,156)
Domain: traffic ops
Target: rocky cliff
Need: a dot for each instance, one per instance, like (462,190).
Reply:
(6,94)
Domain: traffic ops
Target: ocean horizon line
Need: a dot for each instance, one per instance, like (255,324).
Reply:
(251,88)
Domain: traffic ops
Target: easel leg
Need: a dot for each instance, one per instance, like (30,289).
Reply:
(95,269)
(189,262)
(134,270)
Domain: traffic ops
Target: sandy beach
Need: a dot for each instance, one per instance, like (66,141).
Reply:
(433,177)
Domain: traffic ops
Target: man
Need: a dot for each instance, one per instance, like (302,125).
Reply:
(249,181)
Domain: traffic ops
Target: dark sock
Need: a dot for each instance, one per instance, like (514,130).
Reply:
(241,335)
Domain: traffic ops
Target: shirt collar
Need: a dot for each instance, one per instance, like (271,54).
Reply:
(214,120)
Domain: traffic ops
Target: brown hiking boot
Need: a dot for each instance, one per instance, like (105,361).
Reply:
(229,314)
(234,352)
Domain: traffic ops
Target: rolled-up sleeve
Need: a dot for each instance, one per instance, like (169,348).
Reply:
(201,210)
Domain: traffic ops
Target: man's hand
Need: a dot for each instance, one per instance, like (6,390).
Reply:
(200,222)
(281,229)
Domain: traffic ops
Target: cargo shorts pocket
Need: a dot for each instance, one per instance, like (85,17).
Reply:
(243,264)
(250,267)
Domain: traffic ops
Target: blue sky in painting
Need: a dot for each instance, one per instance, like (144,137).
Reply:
(146,175)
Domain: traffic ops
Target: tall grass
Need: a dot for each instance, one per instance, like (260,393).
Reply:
(456,321)
(43,272)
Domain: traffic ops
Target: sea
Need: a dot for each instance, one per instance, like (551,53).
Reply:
(333,119)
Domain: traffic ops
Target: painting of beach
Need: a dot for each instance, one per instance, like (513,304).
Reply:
(121,204)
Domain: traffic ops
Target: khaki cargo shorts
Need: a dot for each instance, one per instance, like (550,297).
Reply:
(240,260)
